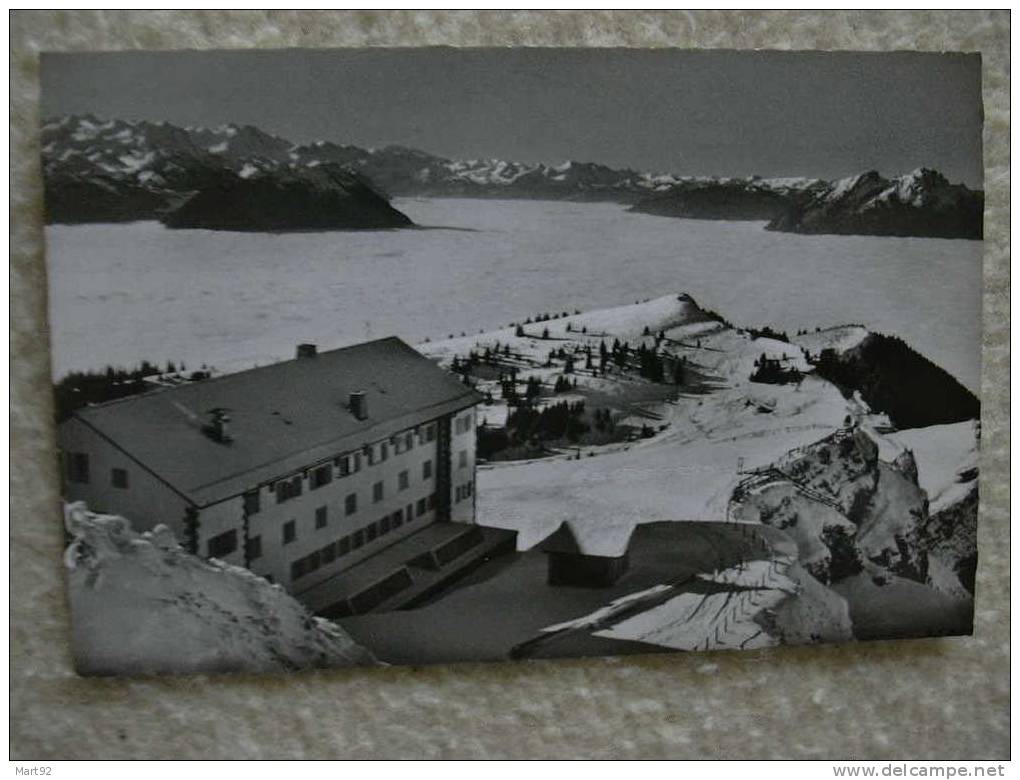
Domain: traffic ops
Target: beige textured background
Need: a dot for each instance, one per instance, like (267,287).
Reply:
(945,698)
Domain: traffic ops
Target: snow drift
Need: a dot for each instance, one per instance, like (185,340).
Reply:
(142,605)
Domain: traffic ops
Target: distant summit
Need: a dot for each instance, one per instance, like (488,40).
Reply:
(921,203)
(225,178)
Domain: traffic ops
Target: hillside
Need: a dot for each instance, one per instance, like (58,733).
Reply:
(879,519)
(733,199)
(896,380)
(325,197)
(142,605)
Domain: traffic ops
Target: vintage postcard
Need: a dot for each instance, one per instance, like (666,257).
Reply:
(410,356)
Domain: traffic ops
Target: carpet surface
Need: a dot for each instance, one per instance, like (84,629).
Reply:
(940,698)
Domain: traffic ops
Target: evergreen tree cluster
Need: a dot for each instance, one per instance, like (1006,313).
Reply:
(556,421)
(768,333)
(772,371)
(603,420)
(81,388)
(564,385)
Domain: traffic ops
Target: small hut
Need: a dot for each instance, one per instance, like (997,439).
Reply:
(580,564)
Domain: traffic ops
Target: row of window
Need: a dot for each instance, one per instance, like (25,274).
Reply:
(287,489)
(346,465)
(224,544)
(350,508)
(77,469)
(464,491)
(353,541)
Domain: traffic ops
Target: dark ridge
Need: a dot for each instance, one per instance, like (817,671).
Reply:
(325,197)
(897,381)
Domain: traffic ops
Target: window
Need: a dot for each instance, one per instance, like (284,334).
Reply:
(289,531)
(409,513)
(430,432)
(432,501)
(377,492)
(371,532)
(343,546)
(397,519)
(462,459)
(287,489)
(384,451)
(78,468)
(321,517)
(421,507)
(384,525)
(351,503)
(426,470)
(408,441)
(357,462)
(345,466)
(119,478)
(323,475)
(328,553)
(251,502)
(254,547)
(403,480)
(463,424)
(369,453)
(357,539)
(223,544)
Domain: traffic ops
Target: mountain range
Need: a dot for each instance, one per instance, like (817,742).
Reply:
(242,178)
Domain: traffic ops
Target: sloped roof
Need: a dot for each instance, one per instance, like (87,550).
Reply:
(607,541)
(283,417)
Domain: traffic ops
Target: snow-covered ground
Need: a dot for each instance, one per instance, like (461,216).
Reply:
(685,472)
(943,453)
(142,605)
(233,299)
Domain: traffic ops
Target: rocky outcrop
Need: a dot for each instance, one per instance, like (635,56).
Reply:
(845,509)
(921,203)
(142,605)
(952,539)
(862,529)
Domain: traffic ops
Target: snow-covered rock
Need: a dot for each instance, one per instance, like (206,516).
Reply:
(142,605)
(920,203)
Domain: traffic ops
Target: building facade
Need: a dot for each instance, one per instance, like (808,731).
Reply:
(298,471)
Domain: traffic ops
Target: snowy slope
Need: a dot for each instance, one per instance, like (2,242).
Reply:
(686,472)
(142,605)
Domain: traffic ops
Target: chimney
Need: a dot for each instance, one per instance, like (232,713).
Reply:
(359,405)
(216,428)
(306,350)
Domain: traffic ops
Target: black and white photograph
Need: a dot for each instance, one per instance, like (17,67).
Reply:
(418,356)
